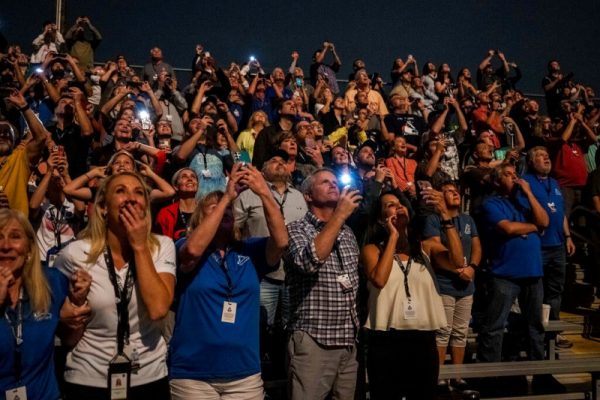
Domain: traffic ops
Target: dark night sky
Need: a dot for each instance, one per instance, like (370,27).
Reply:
(530,32)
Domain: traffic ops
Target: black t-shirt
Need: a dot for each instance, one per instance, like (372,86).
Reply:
(410,126)
(76,147)
(476,186)
(180,228)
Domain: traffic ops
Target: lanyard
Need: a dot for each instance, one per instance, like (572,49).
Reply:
(58,223)
(405,271)
(123,296)
(17,330)
(282,202)
(225,269)
(403,168)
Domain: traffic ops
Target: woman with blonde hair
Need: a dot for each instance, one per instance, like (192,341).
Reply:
(133,279)
(245,141)
(217,318)
(31,298)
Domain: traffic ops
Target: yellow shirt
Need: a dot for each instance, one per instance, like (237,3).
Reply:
(372,95)
(14,175)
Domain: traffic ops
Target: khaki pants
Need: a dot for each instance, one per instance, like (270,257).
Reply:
(315,371)
(250,388)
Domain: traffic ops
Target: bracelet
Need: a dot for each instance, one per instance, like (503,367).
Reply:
(473,265)
(24,108)
(446,221)
(447,226)
(567,236)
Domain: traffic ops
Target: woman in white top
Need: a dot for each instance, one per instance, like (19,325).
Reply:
(404,306)
(121,349)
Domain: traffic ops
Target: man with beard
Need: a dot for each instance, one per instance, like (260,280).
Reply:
(15,157)
(172,220)
(266,140)
(363,84)
(156,66)
(75,138)
(556,237)
(250,218)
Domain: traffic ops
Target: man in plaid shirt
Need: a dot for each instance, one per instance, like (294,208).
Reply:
(322,275)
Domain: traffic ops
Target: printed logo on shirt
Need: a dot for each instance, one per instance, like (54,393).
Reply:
(241,260)
(42,316)
(467,229)
(557,192)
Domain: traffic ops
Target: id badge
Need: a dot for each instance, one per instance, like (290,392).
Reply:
(229,311)
(51,256)
(133,355)
(119,376)
(19,393)
(344,281)
(206,173)
(410,309)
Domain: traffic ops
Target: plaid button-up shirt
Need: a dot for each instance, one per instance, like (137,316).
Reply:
(318,303)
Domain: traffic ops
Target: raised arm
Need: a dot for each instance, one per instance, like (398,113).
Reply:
(378,265)
(200,238)
(278,239)
(39,133)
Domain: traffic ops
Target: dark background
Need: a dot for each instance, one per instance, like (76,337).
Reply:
(530,32)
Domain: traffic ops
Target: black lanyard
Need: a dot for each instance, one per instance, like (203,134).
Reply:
(17,330)
(58,223)
(282,202)
(405,271)
(225,269)
(122,296)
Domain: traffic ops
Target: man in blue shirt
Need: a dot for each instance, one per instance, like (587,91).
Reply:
(554,238)
(514,257)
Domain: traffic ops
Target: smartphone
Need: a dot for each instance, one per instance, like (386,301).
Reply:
(164,143)
(381,161)
(61,151)
(424,185)
(299,82)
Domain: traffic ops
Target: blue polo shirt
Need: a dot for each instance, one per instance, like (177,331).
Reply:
(510,256)
(37,350)
(449,282)
(203,347)
(547,192)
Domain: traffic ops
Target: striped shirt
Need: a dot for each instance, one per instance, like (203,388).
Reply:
(319,305)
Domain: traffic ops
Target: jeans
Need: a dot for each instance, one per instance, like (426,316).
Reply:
(273,295)
(554,260)
(503,293)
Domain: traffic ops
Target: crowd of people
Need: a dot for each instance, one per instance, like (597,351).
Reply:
(185,239)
